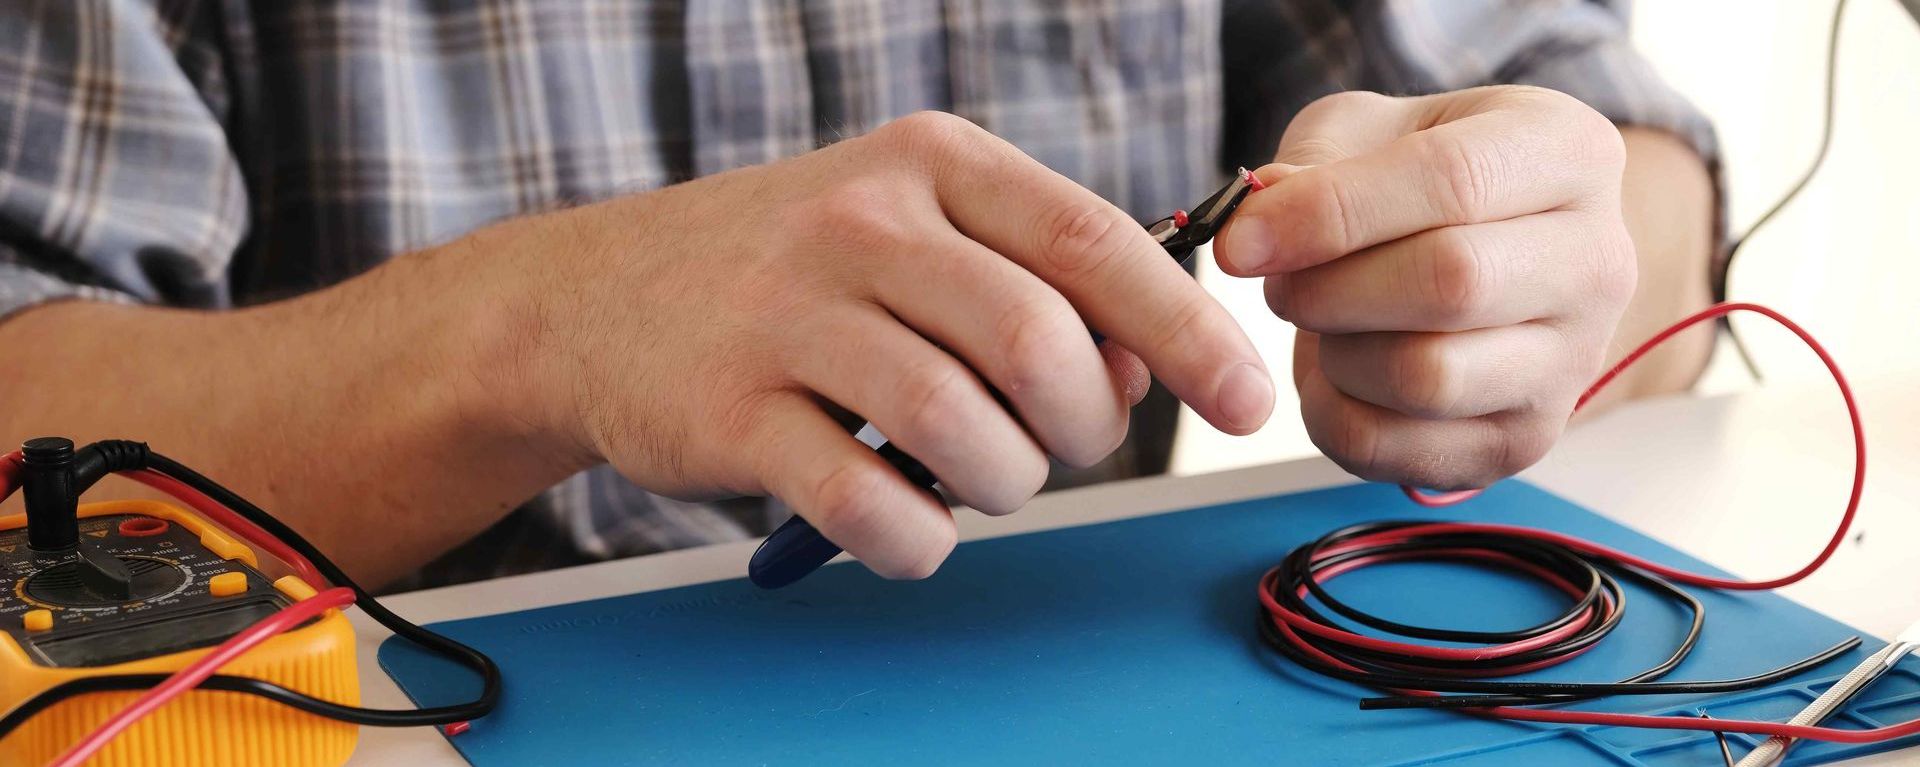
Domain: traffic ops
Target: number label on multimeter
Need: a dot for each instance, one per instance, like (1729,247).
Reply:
(172,606)
(182,585)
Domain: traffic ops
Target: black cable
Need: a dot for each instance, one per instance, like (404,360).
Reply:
(1590,691)
(1397,672)
(219,682)
(135,455)
(401,627)
(1721,288)
(1496,693)
(1599,608)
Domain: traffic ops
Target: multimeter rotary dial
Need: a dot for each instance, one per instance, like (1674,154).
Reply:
(62,585)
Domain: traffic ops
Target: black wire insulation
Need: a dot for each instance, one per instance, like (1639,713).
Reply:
(488,671)
(1722,288)
(1387,671)
(1602,605)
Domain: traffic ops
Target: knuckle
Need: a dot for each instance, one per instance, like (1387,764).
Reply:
(848,498)
(1424,379)
(1467,173)
(1314,149)
(1599,138)
(1571,359)
(738,421)
(1329,226)
(1523,442)
(932,555)
(1090,444)
(1027,475)
(1459,277)
(1305,301)
(1542,99)
(1434,472)
(861,215)
(1535,97)
(1189,320)
(1605,144)
(1082,239)
(1616,273)
(1353,443)
(1034,337)
(1283,295)
(1317,134)
(934,396)
(1094,444)
(1333,105)
(1115,436)
(931,133)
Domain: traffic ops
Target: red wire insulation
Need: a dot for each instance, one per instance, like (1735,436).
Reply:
(9,473)
(227,518)
(1286,622)
(1712,312)
(187,678)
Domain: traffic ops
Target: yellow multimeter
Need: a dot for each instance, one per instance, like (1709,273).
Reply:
(178,586)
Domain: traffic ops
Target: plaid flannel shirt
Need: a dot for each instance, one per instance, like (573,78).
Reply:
(216,153)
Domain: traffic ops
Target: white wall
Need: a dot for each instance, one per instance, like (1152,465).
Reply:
(1843,260)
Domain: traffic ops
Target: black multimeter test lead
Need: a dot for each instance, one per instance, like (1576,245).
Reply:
(796,548)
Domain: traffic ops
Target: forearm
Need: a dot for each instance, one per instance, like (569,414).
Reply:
(368,415)
(1667,199)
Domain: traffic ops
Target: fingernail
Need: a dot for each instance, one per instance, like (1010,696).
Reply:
(1248,245)
(1246,397)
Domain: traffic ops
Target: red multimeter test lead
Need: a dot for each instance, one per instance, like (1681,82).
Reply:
(126,606)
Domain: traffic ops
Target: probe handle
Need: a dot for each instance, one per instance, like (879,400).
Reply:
(1775,748)
(796,548)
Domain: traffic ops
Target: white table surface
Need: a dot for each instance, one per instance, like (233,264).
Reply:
(1752,482)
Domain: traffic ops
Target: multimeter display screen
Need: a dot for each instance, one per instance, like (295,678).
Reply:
(185,632)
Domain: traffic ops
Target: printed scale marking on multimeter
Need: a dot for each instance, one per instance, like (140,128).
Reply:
(94,594)
(181,595)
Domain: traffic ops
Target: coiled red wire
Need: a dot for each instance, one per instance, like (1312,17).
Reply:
(1289,624)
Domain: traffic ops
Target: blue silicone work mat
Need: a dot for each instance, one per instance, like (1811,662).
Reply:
(1128,642)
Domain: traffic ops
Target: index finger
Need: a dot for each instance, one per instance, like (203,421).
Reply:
(1116,276)
(1523,153)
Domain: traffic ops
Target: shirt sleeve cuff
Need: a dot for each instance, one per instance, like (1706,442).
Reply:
(22,288)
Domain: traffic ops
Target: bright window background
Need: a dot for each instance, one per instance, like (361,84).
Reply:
(1844,259)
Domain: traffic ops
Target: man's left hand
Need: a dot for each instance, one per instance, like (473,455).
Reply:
(1456,265)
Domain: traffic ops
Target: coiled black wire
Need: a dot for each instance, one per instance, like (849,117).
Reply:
(131,455)
(1600,578)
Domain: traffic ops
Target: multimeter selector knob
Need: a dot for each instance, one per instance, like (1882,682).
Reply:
(64,585)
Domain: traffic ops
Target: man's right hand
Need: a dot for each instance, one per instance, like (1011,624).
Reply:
(719,336)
